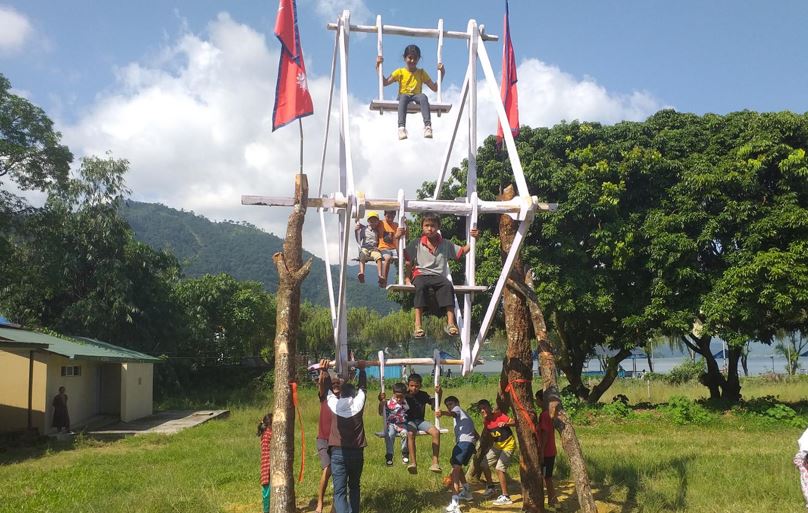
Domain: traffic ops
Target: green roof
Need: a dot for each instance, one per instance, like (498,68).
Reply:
(73,348)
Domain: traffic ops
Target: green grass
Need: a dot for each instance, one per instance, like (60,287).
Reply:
(644,463)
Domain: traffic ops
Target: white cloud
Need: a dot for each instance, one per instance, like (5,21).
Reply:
(195,125)
(14,29)
(330,10)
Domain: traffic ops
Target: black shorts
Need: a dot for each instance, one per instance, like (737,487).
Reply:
(442,287)
(547,466)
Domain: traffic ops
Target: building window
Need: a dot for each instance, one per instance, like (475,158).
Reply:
(71,370)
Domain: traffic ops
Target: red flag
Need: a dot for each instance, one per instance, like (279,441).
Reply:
(292,98)
(510,99)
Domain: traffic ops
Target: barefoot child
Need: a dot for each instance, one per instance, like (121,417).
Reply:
(265,432)
(387,243)
(428,256)
(410,78)
(465,436)
(395,412)
(368,238)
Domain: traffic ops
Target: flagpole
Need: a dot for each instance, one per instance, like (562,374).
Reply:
(300,122)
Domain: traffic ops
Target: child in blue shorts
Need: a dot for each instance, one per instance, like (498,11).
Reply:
(465,437)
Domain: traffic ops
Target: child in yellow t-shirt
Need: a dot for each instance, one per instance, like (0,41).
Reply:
(410,79)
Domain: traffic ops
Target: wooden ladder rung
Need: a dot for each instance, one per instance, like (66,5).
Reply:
(392,106)
(459,289)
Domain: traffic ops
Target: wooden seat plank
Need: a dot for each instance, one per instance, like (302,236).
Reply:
(392,106)
(459,289)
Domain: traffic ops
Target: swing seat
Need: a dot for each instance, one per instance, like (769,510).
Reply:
(380,434)
(459,289)
(392,106)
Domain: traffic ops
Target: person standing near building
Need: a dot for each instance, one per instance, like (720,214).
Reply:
(61,418)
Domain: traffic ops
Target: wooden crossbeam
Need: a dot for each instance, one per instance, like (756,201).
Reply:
(414,32)
(456,207)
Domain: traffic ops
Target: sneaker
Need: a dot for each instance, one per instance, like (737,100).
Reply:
(453,507)
(388,460)
(405,460)
(402,133)
(503,500)
(427,132)
(435,468)
(489,491)
(465,495)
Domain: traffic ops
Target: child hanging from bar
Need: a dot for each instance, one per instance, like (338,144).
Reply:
(465,436)
(427,258)
(410,80)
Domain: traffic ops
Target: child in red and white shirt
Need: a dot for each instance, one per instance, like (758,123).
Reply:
(265,432)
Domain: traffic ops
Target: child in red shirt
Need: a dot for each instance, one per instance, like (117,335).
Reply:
(500,455)
(265,432)
(549,452)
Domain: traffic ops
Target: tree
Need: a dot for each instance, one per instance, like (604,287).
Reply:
(791,346)
(76,268)
(226,319)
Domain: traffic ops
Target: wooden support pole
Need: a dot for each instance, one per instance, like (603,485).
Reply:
(569,439)
(291,271)
(517,375)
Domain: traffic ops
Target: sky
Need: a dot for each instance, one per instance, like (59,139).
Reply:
(184,89)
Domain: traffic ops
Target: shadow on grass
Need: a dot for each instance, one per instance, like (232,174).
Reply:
(18,451)
(627,475)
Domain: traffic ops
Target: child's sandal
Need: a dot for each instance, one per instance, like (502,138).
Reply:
(452,331)
(419,333)
(361,277)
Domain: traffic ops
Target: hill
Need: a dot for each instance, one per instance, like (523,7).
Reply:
(241,250)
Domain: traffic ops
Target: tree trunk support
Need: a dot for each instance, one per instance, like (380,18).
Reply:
(517,374)
(569,440)
(292,272)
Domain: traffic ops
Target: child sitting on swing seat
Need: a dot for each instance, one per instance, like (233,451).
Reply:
(410,78)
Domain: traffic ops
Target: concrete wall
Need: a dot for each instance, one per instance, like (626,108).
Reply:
(137,390)
(14,365)
(82,391)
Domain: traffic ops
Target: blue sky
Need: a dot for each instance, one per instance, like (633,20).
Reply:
(184,89)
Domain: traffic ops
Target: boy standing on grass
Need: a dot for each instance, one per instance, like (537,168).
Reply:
(417,400)
(465,436)
(801,461)
(323,432)
(427,258)
(395,414)
(500,454)
(549,450)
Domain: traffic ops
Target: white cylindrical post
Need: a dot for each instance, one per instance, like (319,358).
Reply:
(402,241)
(436,356)
(380,53)
(440,60)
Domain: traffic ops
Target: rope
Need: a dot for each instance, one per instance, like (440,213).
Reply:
(521,407)
(293,384)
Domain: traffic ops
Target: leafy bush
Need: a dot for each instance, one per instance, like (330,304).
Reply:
(770,411)
(617,409)
(681,410)
(687,372)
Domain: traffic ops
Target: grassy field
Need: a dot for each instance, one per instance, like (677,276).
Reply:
(640,461)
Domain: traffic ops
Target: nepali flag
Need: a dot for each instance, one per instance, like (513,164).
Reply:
(292,98)
(510,99)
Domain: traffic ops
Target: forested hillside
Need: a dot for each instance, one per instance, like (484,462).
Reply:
(243,251)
